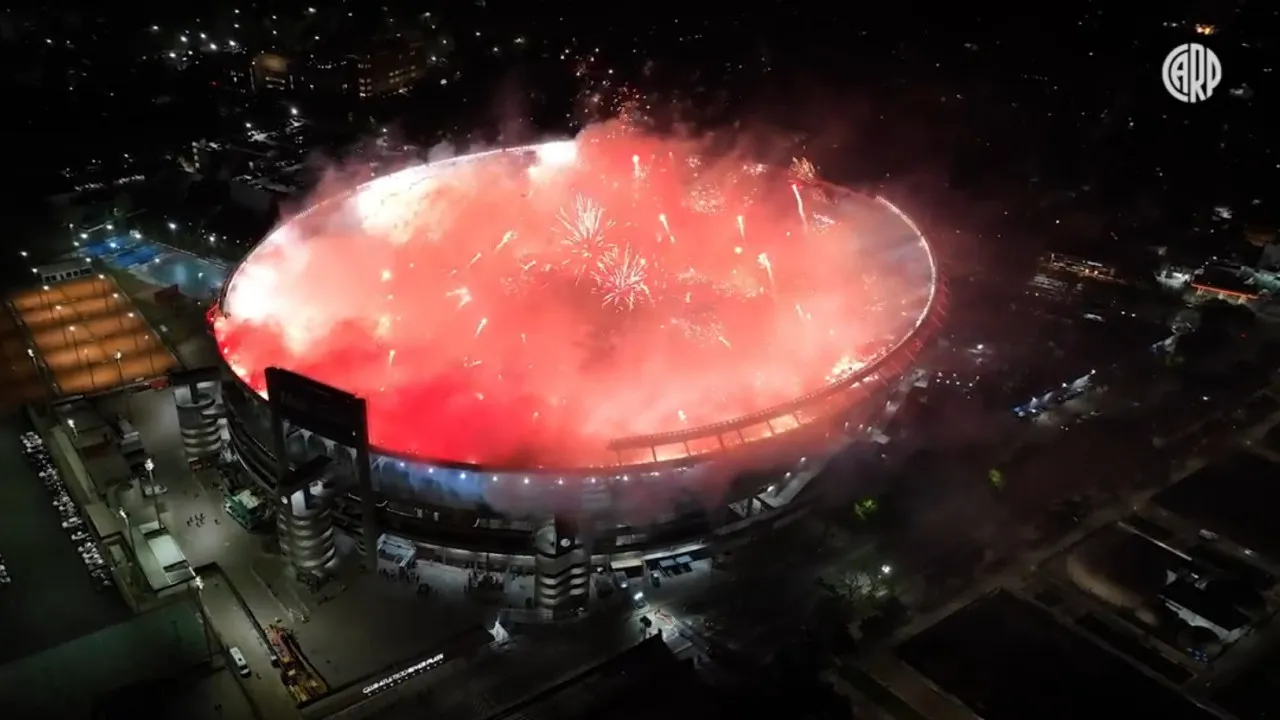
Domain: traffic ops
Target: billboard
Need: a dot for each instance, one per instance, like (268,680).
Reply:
(318,408)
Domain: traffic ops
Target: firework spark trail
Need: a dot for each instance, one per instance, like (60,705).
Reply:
(804,219)
(462,294)
(767,265)
(742,228)
(662,218)
(636,173)
(620,279)
(480,326)
(507,237)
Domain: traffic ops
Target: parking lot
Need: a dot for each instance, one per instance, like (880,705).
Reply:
(52,598)
(88,336)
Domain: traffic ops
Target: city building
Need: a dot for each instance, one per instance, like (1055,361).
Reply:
(366,70)
(1094,288)
(387,66)
(1223,284)
(1198,608)
(271,72)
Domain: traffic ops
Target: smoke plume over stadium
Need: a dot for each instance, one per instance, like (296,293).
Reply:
(528,307)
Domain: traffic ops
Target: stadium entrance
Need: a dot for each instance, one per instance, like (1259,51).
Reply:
(321,439)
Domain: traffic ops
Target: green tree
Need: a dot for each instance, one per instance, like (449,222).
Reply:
(121,206)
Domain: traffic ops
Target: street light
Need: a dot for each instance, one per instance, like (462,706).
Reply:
(197,585)
(71,424)
(75,347)
(128,529)
(150,467)
(57,315)
(44,295)
(119,365)
(134,334)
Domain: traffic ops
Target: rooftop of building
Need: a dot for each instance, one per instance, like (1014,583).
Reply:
(1207,604)
(646,681)
(1224,280)
(1231,497)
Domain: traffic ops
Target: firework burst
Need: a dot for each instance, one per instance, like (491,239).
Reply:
(803,171)
(538,303)
(621,279)
(583,228)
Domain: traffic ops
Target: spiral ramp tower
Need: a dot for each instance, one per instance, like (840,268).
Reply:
(200,422)
(562,568)
(305,526)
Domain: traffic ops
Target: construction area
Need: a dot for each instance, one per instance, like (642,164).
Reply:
(296,672)
(86,336)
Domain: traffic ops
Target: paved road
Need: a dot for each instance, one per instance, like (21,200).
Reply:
(218,540)
(236,629)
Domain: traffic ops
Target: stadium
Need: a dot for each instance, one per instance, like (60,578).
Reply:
(617,329)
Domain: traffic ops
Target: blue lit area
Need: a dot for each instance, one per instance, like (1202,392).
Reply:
(194,277)
(158,265)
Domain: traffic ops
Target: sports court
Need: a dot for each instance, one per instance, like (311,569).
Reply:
(159,265)
(88,336)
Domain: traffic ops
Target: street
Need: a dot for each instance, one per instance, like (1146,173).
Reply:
(218,540)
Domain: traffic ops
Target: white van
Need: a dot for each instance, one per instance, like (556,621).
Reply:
(242,665)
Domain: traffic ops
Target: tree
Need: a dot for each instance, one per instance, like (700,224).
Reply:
(121,205)
(71,215)
(864,587)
